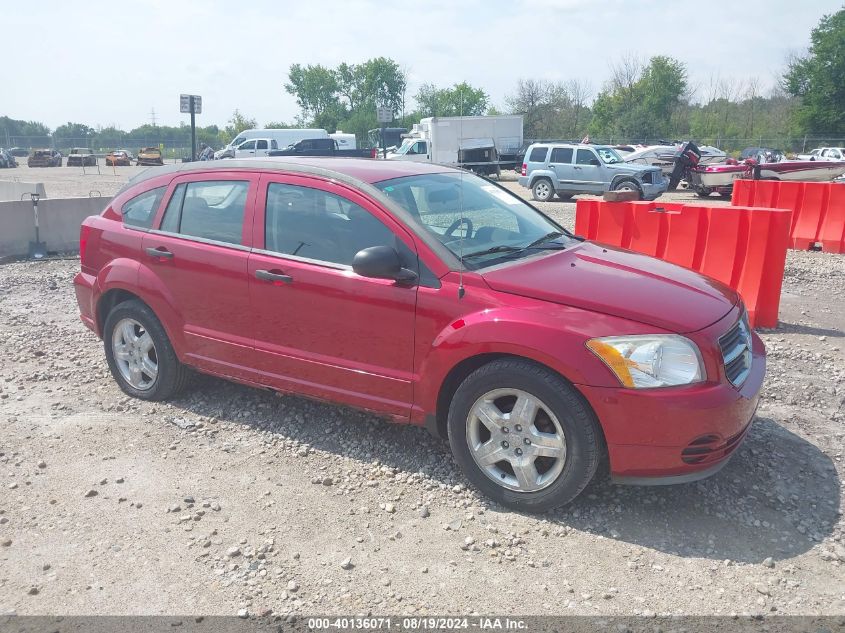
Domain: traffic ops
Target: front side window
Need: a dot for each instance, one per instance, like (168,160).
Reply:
(210,209)
(140,210)
(584,157)
(538,155)
(247,145)
(319,225)
(474,218)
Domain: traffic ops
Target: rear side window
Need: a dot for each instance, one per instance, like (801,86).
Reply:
(262,144)
(140,210)
(561,155)
(211,210)
(538,155)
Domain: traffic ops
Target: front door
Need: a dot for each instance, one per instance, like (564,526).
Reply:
(320,328)
(196,261)
(589,171)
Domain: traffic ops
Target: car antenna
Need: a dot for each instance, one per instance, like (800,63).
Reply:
(461,290)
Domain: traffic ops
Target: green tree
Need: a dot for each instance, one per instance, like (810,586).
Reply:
(315,88)
(237,124)
(460,99)
(818,78)
(74,133)
(639,101)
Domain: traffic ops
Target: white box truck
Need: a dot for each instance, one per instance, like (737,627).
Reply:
(283,137)
(483,144)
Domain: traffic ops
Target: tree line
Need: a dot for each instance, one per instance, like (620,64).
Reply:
(642,101)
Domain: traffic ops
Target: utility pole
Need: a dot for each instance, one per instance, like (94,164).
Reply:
(153,117)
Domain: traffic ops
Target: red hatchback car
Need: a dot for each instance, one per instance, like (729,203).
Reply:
(433,297)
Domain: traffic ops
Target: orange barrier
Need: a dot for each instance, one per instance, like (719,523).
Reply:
(818,209)
(743,247)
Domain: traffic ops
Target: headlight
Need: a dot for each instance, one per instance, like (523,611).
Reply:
(647,361)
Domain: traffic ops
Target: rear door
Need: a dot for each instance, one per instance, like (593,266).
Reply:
(196,261)
(589,172)
(320,328)
(262,147)
(560,164)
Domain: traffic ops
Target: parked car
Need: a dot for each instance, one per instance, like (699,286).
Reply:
(150,156)
(44,158)
(824,153)
(256,147)
(567,169)
(322,147)
(430,296)
(81,157)
(118,157)
(19,152)
(282,136)
(7,160)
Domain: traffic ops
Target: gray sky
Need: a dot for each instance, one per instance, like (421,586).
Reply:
(110,62)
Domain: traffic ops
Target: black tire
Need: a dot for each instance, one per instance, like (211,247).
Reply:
(172,376)
(628,185)
(584,441)
(542,190)
(703,194)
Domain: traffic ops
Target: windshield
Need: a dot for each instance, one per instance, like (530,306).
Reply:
(474,217)
(609,155)
(406,145)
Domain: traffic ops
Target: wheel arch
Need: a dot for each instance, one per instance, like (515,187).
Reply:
(459,372)
(619,178)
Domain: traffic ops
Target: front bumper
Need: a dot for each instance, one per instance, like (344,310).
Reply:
(650,433)
(652,191)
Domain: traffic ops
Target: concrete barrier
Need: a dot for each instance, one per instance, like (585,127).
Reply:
(14,190)
(59,221)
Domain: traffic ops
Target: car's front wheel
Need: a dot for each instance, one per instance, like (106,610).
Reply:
(542,190)
(140,355)
(629,185)
(523,435)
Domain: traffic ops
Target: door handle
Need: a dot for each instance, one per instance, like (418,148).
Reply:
(266,275)
(159,253)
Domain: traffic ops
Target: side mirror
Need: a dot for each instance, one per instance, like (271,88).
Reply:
(382,262)
(596,162)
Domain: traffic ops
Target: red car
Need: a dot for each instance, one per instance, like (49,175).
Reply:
(430,296)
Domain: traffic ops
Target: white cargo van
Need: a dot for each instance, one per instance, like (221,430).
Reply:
(283,138)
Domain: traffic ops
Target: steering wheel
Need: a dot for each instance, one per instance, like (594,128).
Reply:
(454,226)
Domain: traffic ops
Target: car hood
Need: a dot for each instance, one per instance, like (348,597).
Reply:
(631,168)
(620,283)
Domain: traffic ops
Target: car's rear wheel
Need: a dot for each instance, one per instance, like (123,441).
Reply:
(542,190)
(628,185)
(523,435)
(140,355)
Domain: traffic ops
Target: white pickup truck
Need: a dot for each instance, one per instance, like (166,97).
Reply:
(256,147)
(824,153)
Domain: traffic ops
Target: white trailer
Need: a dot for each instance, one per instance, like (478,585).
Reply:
(484,144)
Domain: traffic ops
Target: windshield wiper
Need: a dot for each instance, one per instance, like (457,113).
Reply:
(548,237)
(501,248)
(506,248)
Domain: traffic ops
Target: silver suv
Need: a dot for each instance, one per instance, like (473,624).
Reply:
(569,169)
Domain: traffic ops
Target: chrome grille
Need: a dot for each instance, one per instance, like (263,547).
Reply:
(736,351)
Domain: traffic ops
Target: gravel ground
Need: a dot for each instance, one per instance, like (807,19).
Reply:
(232,499)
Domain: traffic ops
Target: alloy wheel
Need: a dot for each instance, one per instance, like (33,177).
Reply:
(516,440)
